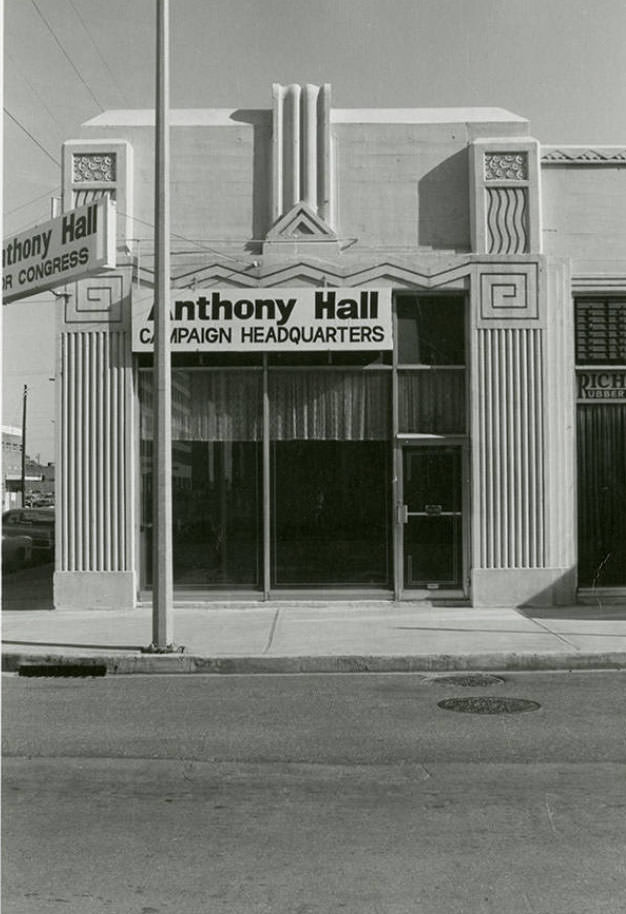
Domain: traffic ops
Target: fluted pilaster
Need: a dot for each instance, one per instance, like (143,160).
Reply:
(94,479)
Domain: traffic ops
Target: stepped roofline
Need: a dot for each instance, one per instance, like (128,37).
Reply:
(218,117)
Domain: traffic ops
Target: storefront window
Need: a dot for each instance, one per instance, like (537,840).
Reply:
(431,329)
(431,353)
(602,494)
(330,482)
(432,401)
(317,427)
(601,428)
(330,513)
(330,478)
(216,477)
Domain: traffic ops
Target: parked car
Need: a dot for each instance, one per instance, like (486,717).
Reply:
(40,501)
(17,551)
(36,523)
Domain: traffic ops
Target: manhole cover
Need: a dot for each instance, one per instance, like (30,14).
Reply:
(62,669)
(469,680)
(488,704)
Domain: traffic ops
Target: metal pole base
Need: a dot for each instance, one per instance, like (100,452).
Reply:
(168,649)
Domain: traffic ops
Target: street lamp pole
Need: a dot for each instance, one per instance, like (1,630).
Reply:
(23,483)
(162,563)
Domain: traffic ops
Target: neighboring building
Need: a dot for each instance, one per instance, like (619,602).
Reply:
(39,479)
(40,489)
(11,467)
(399,359)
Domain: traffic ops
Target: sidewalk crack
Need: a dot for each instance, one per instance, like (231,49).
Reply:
(547,628)
(272,631)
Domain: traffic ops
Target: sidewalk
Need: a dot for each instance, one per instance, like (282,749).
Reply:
(293,637)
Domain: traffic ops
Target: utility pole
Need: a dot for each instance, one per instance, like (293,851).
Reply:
(1,234)
(24,402)
(162,563)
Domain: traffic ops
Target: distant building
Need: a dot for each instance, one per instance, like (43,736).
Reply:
(399,359)
(39,478)
(11,466)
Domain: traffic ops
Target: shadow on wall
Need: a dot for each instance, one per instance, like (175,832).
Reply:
(261,123)
(596,604)
(444,219)
(525,589)
(28,588)
(561,592)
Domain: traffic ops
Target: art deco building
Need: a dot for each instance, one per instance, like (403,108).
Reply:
(399,359)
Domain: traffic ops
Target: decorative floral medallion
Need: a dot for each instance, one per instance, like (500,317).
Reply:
(93,167)
(506,166)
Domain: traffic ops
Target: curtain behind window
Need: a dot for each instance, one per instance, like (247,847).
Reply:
(329,406)
(317,405)
(432,402)
(208,405)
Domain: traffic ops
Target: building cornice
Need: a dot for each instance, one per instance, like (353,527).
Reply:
(229,117)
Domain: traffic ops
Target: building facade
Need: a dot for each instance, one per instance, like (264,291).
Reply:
(398,360)
(11,467)
(38,477)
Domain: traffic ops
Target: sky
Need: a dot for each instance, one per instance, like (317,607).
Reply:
(559,63)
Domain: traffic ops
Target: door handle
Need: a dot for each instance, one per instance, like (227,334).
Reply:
(403,514)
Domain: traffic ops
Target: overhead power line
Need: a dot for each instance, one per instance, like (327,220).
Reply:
(30,136)
(48,193)
(33,220)
(66,55)
(98,52)
(32,88)
(202,248)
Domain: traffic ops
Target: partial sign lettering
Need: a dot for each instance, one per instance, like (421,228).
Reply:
(78,244)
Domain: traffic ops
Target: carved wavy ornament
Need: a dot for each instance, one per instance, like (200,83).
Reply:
(507,231)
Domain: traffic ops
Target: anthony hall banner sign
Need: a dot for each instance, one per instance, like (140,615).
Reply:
(78,244)
(237,320)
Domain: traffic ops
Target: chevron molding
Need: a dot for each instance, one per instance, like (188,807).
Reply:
(301,226)
(301,223)
(320,274)
(583,155)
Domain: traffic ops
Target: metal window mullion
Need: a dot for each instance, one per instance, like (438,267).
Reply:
(266,483)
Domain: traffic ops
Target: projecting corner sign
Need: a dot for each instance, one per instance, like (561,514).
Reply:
(240,320)
(78,244)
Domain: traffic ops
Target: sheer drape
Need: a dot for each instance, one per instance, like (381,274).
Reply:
(319,405)
(329,406)
(208,405)
(432,401)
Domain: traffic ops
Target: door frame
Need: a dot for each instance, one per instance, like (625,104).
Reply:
(401,592)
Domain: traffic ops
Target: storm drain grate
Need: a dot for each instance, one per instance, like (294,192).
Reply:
(62,669)
(469,680)
(488,704)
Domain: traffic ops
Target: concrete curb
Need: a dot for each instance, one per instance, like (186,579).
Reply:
(181,663)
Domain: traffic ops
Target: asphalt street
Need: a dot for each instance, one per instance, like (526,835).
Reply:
(307,794)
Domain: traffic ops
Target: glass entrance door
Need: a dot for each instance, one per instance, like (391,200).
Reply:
(433,517)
